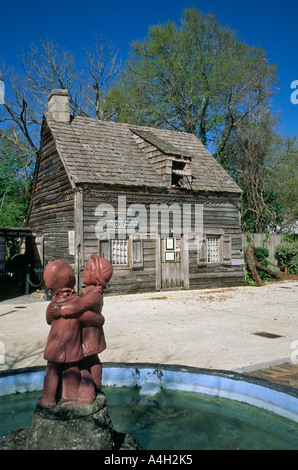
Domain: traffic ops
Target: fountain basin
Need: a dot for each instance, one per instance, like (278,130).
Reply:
(175,407)
(152,378)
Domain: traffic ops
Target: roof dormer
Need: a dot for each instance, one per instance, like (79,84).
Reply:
(175,169)
(181,172)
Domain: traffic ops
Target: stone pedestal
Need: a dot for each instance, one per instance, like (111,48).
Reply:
(76,427)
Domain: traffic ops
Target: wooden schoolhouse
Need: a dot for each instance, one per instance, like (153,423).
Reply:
(153,201)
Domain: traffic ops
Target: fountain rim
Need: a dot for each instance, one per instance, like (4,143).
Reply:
(151,378)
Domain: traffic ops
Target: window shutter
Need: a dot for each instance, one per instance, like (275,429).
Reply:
(202,251)
(226,250)
(136,251)
(104,249)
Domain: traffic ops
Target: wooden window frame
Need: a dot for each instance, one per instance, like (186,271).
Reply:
(135,251)
(213,241)
(224,248)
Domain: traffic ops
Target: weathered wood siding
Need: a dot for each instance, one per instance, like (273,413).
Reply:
(52,203)
(218,216)
(125,279)
(159,160)
(102,162)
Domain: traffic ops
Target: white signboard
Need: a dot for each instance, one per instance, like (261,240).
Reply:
(71,242)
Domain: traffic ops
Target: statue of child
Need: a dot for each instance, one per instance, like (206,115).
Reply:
(97,274)
(76,342)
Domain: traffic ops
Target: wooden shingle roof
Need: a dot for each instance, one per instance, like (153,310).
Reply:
(95,151)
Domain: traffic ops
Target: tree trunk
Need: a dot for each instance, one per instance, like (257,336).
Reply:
(253,265)
(269,271)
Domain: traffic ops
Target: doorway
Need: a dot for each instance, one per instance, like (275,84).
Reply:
(171,265)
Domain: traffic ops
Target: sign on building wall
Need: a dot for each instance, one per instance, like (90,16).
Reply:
(71,242)
(111,221)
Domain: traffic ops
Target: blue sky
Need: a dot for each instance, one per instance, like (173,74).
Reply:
(269,24)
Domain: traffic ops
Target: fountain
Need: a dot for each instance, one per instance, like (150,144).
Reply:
(72,413)
(200,408)
(81,399)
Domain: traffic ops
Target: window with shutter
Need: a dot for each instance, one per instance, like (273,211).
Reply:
(202,253)
(214,248)
(122,252)
(104,250)
(226,250)
(115,250)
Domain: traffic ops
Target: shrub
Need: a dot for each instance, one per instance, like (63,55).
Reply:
(286,254)
(291,237)
(293,265)
(261,254)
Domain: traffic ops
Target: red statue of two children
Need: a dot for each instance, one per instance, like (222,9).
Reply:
(74,370)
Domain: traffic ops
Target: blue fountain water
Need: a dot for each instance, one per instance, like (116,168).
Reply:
(175,420)
(175,407)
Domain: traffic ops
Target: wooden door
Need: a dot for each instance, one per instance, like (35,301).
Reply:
(171,266)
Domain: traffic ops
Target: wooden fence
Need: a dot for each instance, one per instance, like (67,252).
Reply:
(270,242)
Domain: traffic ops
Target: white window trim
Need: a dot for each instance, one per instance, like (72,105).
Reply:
(119,252)
(213,249)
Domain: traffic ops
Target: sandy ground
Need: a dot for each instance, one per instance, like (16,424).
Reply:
(202,328)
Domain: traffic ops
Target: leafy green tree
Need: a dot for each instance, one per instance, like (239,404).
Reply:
(198,77)
(247,151)
(201,78)
(15,183)
(264,164)
(282,183)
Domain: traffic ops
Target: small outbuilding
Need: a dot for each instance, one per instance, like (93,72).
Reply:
(153,201)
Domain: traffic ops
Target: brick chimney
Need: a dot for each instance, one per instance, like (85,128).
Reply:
(58,105)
